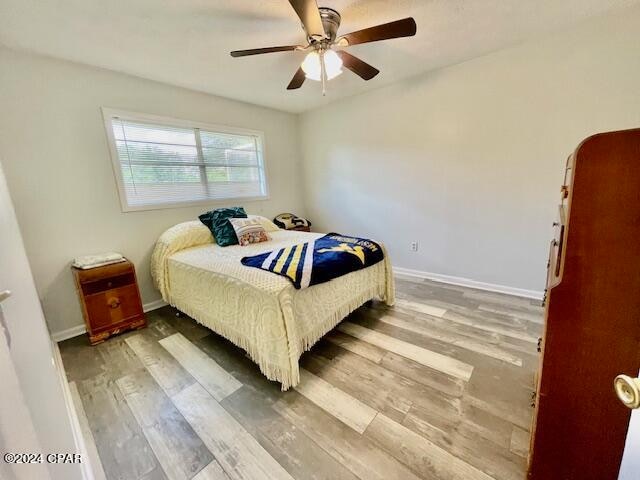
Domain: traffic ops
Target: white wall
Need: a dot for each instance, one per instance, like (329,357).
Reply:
(58,168)
(48,426)
(468,160)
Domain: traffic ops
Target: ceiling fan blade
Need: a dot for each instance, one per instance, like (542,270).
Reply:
(258,51)
(400,28)
(309,15)
(297,80)
(357,66)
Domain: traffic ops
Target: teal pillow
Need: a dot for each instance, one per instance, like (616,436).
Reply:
(218,222)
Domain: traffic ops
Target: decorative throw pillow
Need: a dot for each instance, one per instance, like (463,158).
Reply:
(289,221)
(249,230)
(218,222)
(268,225)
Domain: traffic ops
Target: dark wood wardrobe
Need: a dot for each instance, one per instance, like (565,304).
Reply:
(592,327)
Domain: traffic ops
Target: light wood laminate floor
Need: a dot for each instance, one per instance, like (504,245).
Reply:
(437,387)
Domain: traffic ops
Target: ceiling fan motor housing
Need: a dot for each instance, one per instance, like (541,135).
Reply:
(330,21)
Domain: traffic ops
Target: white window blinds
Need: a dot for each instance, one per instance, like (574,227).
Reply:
(159,164)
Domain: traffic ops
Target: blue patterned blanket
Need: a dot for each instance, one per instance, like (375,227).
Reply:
(318,261)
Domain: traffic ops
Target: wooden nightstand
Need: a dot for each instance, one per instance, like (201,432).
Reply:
(110,300)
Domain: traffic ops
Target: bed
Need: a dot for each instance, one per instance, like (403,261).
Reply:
(257,310)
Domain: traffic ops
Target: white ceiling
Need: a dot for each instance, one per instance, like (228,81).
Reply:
(187,42)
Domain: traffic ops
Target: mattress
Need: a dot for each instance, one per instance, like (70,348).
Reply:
(259,311)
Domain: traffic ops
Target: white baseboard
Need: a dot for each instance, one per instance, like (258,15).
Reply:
(467,282)
(80,329)
(86,468)
(68,333)
(147,307)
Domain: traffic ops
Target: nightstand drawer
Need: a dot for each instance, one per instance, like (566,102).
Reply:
(113,306)
(104,284)
(98,273)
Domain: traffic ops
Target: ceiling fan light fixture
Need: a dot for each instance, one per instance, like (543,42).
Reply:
(332,63)
(313,69)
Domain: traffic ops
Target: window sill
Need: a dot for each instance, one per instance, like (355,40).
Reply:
(167,206)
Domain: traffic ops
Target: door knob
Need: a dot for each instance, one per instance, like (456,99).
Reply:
(628,390)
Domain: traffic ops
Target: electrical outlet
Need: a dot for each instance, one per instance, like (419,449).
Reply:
(414,246)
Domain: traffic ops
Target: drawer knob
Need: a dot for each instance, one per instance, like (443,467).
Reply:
(109,284)
(114,302)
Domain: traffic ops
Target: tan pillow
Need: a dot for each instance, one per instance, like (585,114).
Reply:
(249,230)
(268,225)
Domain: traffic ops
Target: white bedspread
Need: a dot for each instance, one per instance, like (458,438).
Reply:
(259,311)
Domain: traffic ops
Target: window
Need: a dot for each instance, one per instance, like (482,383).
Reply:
(160,162)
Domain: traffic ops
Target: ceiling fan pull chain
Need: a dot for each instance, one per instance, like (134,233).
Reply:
(323,73)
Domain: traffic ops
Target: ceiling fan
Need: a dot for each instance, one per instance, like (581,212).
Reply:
(323,63)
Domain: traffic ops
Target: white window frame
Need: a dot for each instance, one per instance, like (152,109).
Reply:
(109,114)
